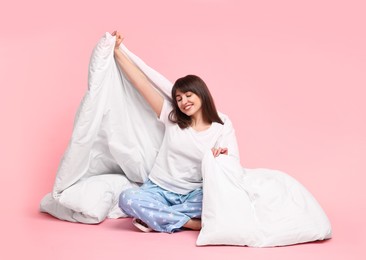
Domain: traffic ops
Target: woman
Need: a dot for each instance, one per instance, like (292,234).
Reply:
(171,199)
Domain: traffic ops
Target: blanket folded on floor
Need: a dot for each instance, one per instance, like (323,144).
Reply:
(114,143)
(257,207)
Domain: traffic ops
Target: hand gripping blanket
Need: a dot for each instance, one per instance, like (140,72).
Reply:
(115,141)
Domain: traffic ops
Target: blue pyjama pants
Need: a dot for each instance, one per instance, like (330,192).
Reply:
(161,210)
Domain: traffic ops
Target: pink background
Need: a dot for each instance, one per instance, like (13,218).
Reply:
(291,75)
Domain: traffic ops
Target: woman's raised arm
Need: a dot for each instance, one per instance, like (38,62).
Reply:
(137,77)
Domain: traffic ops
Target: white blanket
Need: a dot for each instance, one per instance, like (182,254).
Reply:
(256,207)
(114,144)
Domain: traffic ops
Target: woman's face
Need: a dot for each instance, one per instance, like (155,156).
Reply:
(188,102)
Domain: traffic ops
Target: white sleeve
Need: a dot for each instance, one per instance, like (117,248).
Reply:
(228,140)
(165,111)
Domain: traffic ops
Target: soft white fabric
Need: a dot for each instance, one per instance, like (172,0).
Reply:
(111,135)
(95,196)
(175,169)
(114,145)
(256,207)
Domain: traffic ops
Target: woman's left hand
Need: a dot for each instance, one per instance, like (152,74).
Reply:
(217,151)
(119,39)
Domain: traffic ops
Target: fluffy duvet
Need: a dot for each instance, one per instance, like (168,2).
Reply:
(114,144)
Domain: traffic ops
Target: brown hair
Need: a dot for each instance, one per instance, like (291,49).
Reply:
(196,85)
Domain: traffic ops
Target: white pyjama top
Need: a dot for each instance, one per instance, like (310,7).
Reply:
(178,165)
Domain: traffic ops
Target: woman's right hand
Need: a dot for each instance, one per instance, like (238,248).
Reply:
(217,151)
(119,39)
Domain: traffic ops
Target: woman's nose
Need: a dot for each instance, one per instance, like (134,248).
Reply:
(184,100)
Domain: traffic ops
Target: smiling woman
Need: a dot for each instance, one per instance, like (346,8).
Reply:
(193,105)
(171,199)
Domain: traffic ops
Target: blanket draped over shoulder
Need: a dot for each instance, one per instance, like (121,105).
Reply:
(115,141)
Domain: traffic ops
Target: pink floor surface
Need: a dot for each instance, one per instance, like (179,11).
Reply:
(40,236)
(290,74)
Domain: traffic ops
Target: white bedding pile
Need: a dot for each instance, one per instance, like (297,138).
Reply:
(114,144)
(115,140)
(256,207)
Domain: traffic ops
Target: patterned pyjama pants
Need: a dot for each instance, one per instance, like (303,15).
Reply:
(161,210)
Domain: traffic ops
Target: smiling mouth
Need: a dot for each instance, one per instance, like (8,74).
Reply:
(187,107)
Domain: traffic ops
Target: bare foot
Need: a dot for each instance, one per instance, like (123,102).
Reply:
(141,225)
(194,224)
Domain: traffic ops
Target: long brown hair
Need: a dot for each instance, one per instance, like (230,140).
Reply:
(196,85)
